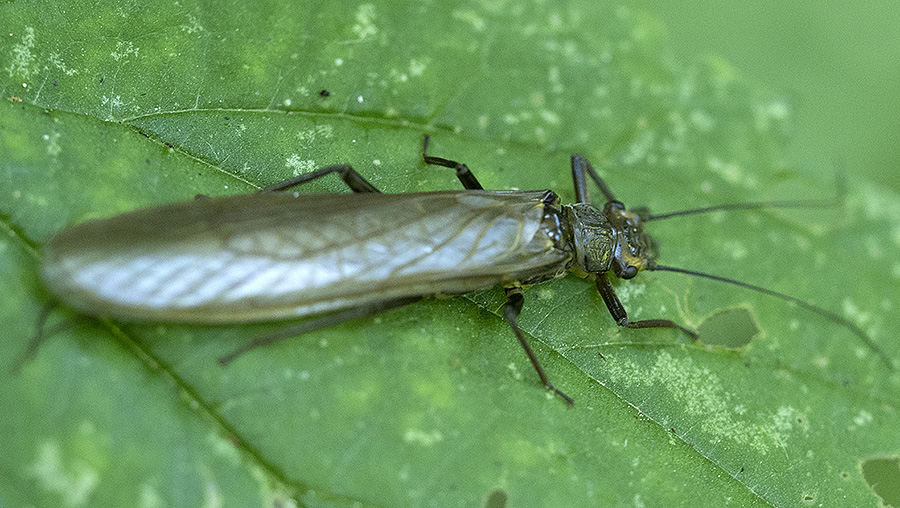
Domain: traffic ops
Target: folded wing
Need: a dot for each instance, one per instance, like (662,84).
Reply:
(274,256)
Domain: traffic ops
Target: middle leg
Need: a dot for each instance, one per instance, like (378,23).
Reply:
(511,310)
(350,176)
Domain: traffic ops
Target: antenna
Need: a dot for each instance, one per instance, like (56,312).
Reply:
(831,316)
(837,200)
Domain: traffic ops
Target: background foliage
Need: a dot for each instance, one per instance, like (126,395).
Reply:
(833,60)
(112,107)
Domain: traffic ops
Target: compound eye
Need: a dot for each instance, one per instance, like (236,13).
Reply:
(628,272)
(614,206)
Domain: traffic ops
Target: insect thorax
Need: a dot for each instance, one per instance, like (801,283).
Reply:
(608,239)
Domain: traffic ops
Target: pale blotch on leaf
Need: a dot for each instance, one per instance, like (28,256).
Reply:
(73,482)
(702,395)
(23,61)
(422,437)
(298,165)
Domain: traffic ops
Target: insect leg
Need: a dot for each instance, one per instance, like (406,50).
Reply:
(354,180)
(315,324)
(618,311)
(40,337)
(580,165)
(463,173)
(511,310)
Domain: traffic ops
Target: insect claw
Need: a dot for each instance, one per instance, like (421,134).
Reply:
(569,401)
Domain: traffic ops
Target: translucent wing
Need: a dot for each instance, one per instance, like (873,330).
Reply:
(277,255)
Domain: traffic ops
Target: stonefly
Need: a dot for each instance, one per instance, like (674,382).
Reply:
(278,255)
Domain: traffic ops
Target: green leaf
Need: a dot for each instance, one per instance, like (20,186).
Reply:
(114,107)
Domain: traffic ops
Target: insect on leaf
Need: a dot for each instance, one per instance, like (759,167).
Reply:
(433,404)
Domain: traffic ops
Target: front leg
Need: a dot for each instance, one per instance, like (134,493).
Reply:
(580,166)
(621,317)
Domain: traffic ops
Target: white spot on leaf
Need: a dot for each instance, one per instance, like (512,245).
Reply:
(124,49)
(192,26)
(365,22)
(52,140)
(471,17)
(422,437)
(863,418)
(73,482)
(23,60)
(299,165)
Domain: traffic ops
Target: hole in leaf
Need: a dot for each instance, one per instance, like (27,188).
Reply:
(883,475)
(731,328)
(497,499)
